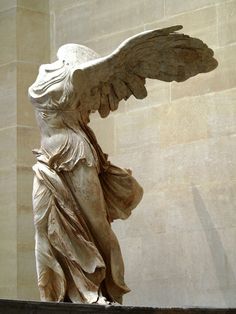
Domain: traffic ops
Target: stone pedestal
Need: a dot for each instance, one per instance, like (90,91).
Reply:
(31,307)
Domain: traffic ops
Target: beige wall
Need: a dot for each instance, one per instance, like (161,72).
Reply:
(24,36)
(179,244)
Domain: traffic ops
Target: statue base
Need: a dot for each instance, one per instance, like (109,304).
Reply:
(29,307)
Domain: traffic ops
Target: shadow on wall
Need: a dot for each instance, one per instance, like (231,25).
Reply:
(223,269)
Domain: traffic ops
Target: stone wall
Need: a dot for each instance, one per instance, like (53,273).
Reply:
(24,35)
(179,244)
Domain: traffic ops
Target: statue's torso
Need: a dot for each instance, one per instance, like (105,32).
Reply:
(63,125)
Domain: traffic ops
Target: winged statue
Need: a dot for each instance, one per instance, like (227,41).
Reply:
(77,191)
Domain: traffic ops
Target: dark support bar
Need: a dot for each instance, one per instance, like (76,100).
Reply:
(33,307)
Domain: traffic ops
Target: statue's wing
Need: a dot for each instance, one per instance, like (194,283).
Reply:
(159,54)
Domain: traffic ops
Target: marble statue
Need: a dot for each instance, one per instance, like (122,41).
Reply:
(77,191)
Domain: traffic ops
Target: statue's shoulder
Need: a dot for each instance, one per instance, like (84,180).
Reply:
(50,81)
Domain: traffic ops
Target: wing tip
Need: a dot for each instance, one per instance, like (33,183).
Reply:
(177,27)
(211,65)
(171,29)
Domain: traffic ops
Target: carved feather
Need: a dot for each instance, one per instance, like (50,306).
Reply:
(159,54)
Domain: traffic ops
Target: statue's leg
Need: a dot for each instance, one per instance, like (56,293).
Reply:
(85,185)
(51,279)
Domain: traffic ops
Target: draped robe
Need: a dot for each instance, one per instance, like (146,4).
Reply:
(77,193)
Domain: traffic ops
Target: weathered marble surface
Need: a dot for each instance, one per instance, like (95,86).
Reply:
(77,191)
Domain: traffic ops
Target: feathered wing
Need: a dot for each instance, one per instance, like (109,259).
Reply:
(159,54)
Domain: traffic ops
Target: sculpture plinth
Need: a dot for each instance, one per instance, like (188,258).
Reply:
(29,307)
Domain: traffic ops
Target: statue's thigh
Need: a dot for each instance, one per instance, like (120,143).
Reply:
(85,185)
